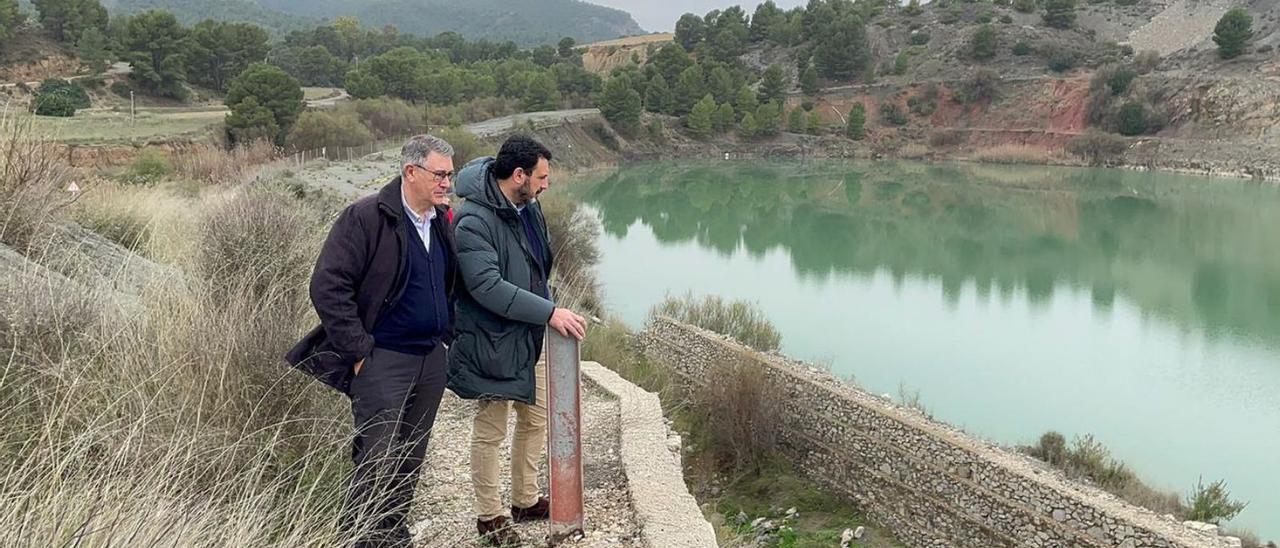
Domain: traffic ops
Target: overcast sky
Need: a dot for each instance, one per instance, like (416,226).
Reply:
(660,16)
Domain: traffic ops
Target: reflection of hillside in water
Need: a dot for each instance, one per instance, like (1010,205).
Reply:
(1197,251)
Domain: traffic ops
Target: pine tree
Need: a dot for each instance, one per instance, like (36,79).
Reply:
(815,123)
(725,118)
(92,49)
(689,88)
(747,128)
(745,101)
(767,22)
(809,81)
(842,51)
(690,30)
(218,51)
(66,20)
(773,86)
(796,121)
(657,95)
(10,18)
(250,121)
(856,122)
(541,93)
(701,119)
(155,45)
(271,88)
(1234,29)
(769,119)
(363,85)
(565,47)
(621,106)
(720,84)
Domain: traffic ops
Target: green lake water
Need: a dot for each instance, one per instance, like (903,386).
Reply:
(1142,308)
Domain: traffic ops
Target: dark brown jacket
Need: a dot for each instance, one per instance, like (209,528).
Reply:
(359,274)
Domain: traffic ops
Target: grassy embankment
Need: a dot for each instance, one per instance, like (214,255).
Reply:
(162,415)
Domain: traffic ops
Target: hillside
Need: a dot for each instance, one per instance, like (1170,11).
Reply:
(527,23)
(1139,83)
(191,12)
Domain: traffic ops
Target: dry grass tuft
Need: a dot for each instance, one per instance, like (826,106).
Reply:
(738,319)
(33,183)
(211,162)
(168,417)
(573,232)
(1013,154)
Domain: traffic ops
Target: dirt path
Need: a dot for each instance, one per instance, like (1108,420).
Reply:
(444,497)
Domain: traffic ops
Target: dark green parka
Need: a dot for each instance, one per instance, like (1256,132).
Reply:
(501,315)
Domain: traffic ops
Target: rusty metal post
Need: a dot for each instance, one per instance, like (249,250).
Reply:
(564,434)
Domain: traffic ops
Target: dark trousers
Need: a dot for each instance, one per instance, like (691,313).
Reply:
(394,401)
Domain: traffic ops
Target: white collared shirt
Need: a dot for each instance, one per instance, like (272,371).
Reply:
(421,224)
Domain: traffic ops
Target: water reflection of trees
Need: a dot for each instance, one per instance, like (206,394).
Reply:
(1171,244)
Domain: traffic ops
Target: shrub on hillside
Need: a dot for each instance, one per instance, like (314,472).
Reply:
(1059,14)
(320,128)
(465,145)
(121,88)
(893,113)
(54,105)
(946,138)
(919,38)
(1132,119)
(741,415)
(1232,32)
(260,245)
(1022,48)
(739,320)
(148,168)
(1119,80)
(387,117)
(926,103)
(1025,6)
(58,97)
(1146,61)
(951,16)
(70,90)
(1099,148)
(983,43)
(1213,503)
(984,85)
(1061,59)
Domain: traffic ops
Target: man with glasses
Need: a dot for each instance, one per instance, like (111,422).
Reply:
(383,288)
(504,308)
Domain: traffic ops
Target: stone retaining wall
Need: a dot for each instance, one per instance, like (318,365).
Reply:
(930,484)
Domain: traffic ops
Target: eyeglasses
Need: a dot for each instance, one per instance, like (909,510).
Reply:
(438,175)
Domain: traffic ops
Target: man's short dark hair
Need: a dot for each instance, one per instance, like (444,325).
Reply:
(518,152)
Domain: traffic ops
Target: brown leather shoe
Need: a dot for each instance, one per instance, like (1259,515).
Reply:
(498,532)
(539,511)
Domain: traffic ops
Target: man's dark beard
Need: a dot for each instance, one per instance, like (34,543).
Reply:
(525,192)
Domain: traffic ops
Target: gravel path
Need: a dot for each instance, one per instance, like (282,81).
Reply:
(444,495)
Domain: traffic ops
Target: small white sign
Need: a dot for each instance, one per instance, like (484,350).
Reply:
(73,188)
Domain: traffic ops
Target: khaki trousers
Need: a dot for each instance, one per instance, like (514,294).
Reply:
(527,449)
